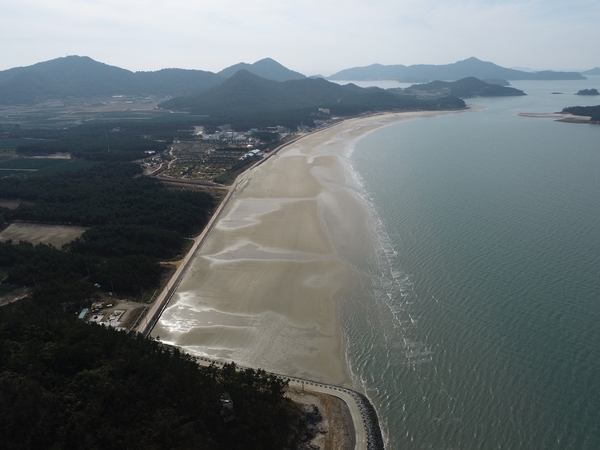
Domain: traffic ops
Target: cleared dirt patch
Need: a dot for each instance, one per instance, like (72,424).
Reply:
(10,204)
(57,235)
(336,429)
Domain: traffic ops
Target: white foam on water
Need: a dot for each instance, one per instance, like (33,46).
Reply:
(370,342)
(392,287)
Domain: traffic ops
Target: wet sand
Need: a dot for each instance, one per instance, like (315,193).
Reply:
(266,287)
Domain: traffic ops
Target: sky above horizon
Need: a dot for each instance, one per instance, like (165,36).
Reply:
(311,37)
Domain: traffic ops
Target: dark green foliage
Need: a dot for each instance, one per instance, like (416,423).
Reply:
(68,385)
(107,194)
(68,278)
(135,221)
(248,101)
(128,275)
(463,88)
(40,166)
(121,240)
(56,277)
(266,136)
(31,264)
(114,141)
(592,111)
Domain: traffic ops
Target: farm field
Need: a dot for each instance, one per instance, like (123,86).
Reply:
(57,235)
(39,166)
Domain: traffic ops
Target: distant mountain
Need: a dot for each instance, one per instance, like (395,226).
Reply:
(588,92)
(178,81)
(82,77)
(72,76)
(594,71)
(464,88)
(471,67)
(267,68)
(522,69)
(498,81)
(370,73)
(246,100)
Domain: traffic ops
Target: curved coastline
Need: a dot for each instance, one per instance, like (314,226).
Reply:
(263,283)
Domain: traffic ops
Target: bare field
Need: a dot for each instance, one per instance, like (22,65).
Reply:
(337,426)
(57,235)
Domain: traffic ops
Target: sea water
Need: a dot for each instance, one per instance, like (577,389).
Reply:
(477,323)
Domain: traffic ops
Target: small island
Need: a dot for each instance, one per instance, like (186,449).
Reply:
(593,112)
(464,88)
(588,92)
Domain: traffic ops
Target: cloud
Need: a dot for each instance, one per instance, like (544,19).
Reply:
(310,36)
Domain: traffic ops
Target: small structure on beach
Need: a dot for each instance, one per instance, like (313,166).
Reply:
(227,412)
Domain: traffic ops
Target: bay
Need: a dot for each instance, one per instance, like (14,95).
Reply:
(477,324)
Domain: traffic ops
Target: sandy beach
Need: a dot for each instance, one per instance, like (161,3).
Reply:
(266,287)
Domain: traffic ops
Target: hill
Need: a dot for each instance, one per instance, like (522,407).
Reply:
(464,88)
(82,77)
(471,67)
(177,81)
(72,76)
(246,100)
(594,71)
(265,68)
(592,111)
(588,92)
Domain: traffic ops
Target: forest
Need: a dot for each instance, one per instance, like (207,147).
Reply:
(248,101)
(65,384)
(135,222)
(110,141)
(592,111)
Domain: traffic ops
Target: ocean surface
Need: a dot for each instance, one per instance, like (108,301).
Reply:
(477,326)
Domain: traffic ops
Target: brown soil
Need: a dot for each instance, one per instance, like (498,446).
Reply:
(56,235)
(337,423)
(132,316)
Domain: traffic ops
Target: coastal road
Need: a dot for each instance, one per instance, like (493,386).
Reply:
(366,427)
(361,440)
(360,417)
(147,323)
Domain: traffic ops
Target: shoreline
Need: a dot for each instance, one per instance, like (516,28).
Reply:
(263,282)
(309,174)
(558,117)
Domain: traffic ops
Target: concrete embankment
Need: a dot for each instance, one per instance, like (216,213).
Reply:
(364,417)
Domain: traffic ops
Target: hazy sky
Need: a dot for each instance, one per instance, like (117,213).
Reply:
(310,36)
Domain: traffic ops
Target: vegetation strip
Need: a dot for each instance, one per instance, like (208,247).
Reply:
(368,412)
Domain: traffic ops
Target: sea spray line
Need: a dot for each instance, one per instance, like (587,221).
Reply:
(391,284)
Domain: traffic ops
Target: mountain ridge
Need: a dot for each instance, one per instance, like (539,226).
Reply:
(246,100)
(81,76)
(464,88)
(470,67)
(266,68)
